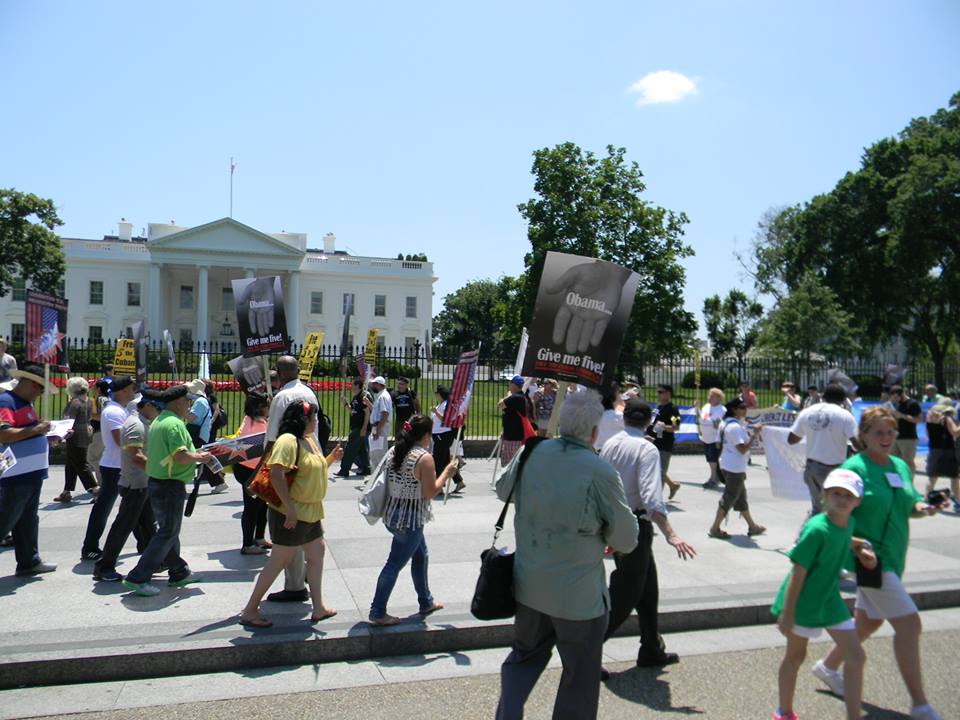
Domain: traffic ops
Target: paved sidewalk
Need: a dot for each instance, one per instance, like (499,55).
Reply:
(63,627)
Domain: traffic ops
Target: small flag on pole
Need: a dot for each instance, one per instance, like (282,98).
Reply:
(460,389)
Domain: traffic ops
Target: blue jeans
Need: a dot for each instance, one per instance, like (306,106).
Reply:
(100,512)
(408,546)
(167,498)
(18,513)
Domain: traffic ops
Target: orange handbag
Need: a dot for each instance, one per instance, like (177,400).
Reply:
(260,486)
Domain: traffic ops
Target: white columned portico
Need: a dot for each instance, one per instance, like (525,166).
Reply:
(292,306)
(203,334)
(154,304)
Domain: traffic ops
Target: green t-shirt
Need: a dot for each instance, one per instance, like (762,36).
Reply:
(879,501)
(168,435)
(822,549)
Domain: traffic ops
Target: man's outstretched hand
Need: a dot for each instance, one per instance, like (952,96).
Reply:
(584,321)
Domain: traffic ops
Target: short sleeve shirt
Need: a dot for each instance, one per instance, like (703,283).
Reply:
(382,404)
(880,500)
(731,459)
(669,416)
(31,453)
(907,430)
(403,405)
(822,549)
(167,436)
(293,391)
(112,418)
(203,416)
(827,428)
(709,414)
(310,484)
(133,434)
(513,408)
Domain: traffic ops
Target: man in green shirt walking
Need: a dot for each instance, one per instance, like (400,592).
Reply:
(570,504)
(170,466)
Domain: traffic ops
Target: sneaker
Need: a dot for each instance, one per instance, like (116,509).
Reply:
(91,555)
(924,712)
(184,581)
(253,550)
(831,678)
(142,589)
(777,715)
(217,489)
(38,569)
(709,485)
(108,576)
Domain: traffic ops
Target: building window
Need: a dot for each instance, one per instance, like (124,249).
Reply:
(381,344)
(316,303)
(133,294)
(226,300)
(379,305)
(409,347)
(95,334)
(186,297)
(186,336)
(349,299)
(19,290)
(411,306)
(96,292)
(17,333)
(128,333)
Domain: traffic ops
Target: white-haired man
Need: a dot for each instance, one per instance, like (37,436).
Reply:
(569,505)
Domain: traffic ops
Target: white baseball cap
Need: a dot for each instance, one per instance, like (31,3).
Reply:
(846,479)
(379,380)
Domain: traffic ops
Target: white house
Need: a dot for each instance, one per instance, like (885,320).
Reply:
(178,278)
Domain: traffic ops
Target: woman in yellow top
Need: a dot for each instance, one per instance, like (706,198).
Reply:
(298,521)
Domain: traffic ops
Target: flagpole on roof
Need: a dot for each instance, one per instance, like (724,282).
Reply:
(233,167)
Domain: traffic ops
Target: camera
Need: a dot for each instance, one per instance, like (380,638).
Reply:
(938,497)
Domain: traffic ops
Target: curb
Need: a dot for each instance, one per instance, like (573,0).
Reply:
(359,642)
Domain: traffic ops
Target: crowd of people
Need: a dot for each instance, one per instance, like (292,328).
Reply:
(599,485)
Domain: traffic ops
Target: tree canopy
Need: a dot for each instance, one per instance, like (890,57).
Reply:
(885,240)
(483,314)
(732,323)
(592,206)
(29,247)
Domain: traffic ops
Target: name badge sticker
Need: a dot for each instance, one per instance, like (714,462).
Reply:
(894,479)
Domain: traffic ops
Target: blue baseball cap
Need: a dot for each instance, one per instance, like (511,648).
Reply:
(517,380)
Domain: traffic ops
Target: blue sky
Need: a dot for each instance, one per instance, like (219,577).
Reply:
(409,127)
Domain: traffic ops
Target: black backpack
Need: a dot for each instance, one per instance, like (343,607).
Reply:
(324,429)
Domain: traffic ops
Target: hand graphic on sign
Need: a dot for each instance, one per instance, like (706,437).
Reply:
(260,305)
(591,296)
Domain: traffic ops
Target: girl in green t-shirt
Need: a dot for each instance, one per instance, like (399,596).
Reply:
(809,598)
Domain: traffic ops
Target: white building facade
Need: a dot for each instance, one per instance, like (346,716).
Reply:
(179,278)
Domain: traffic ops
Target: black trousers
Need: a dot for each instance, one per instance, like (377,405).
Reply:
(253,521)
(135,515)
(634,586)
(441,452)
(75,465)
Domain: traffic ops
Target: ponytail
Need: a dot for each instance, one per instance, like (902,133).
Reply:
(413,431)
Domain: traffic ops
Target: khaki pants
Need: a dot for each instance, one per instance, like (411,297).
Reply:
(906,450)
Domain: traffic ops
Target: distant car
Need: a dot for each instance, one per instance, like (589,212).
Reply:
(506,374)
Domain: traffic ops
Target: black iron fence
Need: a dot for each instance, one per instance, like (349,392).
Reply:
(689,379)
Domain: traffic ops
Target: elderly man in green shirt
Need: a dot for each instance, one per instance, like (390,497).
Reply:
(170,466)
(570,504)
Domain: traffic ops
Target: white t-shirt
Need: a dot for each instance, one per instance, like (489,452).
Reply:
(827,427)
(382,404)
(111,418)
(708,415)
(731,459)
(438,426)
(611,422)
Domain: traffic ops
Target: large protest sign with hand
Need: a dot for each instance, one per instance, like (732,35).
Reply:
(261,320)
(579,319)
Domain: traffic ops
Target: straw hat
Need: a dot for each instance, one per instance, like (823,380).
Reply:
(38,379)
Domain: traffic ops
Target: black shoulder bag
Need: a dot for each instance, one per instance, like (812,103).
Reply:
(873,577)
(493,597)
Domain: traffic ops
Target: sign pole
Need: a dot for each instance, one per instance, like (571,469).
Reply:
(266,376)
(45,408)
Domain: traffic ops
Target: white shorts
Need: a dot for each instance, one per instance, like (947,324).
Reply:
(888,602)
(811,633)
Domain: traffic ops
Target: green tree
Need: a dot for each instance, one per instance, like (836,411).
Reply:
(808,321)
(29,247)
(732,324)
(885,240)
(592,206)
(483,314)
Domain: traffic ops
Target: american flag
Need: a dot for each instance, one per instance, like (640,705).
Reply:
(460,389)
(44,339)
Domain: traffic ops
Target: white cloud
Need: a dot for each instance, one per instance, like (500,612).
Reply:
(663,86)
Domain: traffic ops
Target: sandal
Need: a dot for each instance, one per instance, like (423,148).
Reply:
(384,621)
(719,534)
(255,622)
(325,616)
(758,530)
(432,609)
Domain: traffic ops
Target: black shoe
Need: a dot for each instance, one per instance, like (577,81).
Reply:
(341,474)
(658,660)
(366,471)
(604,674)
(91,555)
(289,596)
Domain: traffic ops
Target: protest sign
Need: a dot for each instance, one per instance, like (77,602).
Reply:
(785,464)
(46,329)
(233,450)
(579,320)
(308,355)
(261,321)
(140,346)
(124,358)
(461,389)
(345,350)
(171,356)
(370,349)
(249,374)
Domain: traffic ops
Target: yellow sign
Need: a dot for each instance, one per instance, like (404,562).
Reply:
(308,355)
(125,358)
(370,351)
(696,368)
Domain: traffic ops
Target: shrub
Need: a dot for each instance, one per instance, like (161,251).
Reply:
(711,378)
(869,385)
